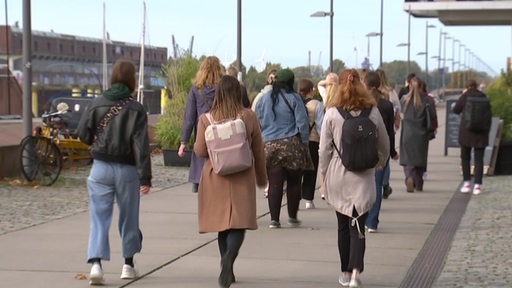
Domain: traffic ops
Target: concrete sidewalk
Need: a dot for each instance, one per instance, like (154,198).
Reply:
(175,255)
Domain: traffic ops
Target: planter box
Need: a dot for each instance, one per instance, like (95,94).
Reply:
(504,159)
(171,158)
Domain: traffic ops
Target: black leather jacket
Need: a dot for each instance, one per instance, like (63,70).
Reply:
(124,140)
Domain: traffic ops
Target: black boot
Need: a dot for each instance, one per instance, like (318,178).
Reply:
(386,191)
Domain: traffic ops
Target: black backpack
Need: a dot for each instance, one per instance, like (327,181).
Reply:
(359,141)
(477,115)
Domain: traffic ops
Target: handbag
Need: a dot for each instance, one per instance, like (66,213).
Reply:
(430,122)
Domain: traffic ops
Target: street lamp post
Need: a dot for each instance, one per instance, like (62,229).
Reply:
(444,61)
(371,34)
(330,14)
(427,26)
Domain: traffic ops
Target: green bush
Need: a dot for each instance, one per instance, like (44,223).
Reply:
(178,75)
(500,93)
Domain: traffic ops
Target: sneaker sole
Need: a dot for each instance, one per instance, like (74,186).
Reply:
(409,185)
(96,281)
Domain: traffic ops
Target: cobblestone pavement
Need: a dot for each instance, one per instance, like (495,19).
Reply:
(481,251)
(22,205)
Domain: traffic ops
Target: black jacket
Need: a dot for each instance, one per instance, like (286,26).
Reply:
(124,140)
(467,137)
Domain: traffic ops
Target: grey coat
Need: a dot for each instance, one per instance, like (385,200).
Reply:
(345,189)
(198,102)
(413,135)
(467,137)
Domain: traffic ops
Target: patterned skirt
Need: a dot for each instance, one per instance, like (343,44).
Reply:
(288,153)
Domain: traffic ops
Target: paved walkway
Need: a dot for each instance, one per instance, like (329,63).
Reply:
(47,248)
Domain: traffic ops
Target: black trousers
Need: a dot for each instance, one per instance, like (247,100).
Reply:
(309,176)
(351,242)
(478,161)
(276,178)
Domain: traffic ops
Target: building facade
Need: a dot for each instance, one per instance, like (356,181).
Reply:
(70,60)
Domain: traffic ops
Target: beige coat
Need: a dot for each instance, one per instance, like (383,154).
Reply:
(229,202)
(344,189)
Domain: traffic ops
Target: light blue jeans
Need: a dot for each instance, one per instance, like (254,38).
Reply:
(108,181)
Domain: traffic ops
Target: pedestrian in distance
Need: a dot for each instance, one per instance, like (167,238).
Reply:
(227,203)
(391,95)
(285,129)
(115,127)
(473,139)
(415,135)
(373,82)
(350,193)
(267,88)
(199,101)
(315,111)
(407,86)
(232,71)
(328,87)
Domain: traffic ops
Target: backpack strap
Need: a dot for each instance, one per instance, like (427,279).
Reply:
(344,113)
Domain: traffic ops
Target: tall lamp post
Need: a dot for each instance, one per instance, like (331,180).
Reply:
(371,34)
(427,26)
(330,14)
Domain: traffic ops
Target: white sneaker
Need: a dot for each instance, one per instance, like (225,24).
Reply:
(128,272)
(466,187)
(355,283)
(344,281)
(310,204)
(96,275)
(477,190)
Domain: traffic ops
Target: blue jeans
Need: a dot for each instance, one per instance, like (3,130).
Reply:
(372,221)
(108,181)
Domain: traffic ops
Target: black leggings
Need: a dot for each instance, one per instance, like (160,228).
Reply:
(230,241)
(309,178)
(276,178)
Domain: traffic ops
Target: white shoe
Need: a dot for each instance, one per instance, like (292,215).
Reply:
(354,283)
(344,281)
(128,272)
(477,190)
(96,275)
(466,187)
(310,204)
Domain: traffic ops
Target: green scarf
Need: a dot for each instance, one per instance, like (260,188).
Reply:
(117,91)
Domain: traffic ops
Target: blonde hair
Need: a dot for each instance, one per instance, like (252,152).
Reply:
(351,94)
(414,94)
(209,73)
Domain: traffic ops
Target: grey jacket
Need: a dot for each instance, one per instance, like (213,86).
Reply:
(345,189)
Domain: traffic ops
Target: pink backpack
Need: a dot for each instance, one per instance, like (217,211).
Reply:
(227,145)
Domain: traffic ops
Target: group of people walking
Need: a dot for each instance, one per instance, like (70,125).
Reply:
(293,138)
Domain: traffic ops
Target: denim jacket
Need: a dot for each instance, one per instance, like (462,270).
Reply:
(284,122)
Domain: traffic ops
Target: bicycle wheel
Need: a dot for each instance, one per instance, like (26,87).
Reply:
(40,160)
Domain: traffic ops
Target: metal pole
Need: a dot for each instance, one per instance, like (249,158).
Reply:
(27,69)
(426,55)
(239,40)
(331,39)
(381,31)
(439,58)
(409,44)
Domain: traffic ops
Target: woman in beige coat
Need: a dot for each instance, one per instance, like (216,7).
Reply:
(350,193)
(227,204)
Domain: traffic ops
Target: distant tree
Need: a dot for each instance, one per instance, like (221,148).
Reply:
(397,71)
(302,72)
(338,65)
